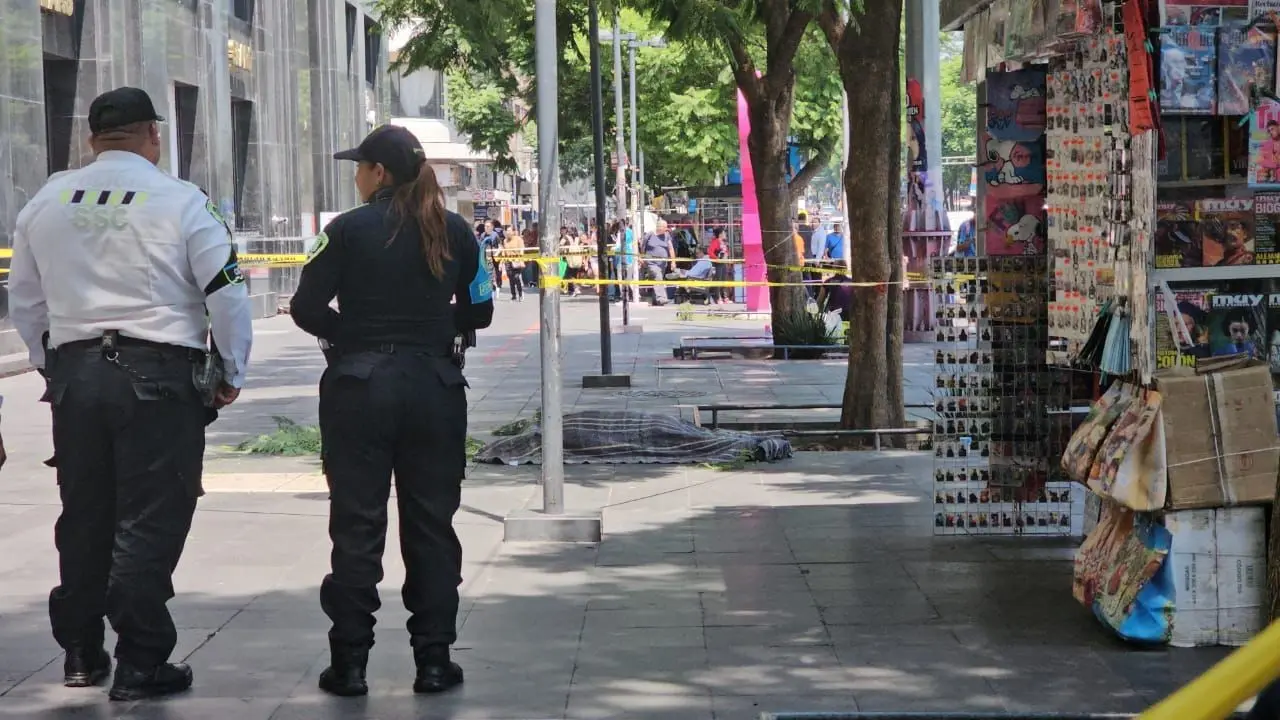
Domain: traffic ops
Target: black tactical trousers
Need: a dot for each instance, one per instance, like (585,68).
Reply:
(393,412)
(130,449)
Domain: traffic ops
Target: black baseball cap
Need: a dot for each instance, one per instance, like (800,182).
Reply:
(392,147)
(122,106)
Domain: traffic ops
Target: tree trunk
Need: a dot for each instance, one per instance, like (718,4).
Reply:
(869,69)
(770,124)
(897,275)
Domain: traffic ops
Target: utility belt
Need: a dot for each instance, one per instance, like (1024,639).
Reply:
(112,341)
(207,371)
(456,353)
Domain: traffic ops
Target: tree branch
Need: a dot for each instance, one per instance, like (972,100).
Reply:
(744,70)
(832,26)
(783,48)
(816,164)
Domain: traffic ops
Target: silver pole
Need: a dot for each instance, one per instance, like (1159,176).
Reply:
(549,241)
(620,179)
(635,153)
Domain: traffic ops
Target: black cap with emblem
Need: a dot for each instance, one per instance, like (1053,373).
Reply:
(120,107)
(392,147)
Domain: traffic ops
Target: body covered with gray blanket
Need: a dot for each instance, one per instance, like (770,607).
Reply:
(603,436)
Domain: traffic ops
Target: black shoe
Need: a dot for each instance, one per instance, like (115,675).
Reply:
(134,684)
(345,676)
(436,673)
(85,667)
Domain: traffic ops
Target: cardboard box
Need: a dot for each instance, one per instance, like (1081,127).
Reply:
(1220,437)
(1219,566)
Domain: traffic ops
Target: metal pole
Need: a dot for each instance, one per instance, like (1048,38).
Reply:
(620,179)
(597,133)
(635,154)
(549,241)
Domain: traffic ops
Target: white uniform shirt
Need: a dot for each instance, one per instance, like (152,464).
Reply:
(120,245)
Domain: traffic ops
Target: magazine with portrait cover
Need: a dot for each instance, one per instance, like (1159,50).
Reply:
(1246,59)
(1264,144)
(1226,231)
(1266,226)
(1237,324)
(1188,63)
(1177,239)
(1192,304)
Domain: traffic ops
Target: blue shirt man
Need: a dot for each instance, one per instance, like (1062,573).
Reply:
(835,244)
(628,247)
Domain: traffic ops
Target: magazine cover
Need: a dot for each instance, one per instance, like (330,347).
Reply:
(1273,338)
(1193,310)
(1188,60)
(1246,59)
(1226,231)
(1266,224)
(1264,145)
(1177,235)
(1210,13)
(1237,324)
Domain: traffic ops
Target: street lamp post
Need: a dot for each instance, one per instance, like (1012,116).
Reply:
(551,523)
(606,378)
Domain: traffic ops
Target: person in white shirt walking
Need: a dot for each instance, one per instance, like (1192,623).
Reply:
(118,272)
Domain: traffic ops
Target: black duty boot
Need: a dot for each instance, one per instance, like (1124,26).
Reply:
(134,684)
(85,667)
(345,676)
(436,672)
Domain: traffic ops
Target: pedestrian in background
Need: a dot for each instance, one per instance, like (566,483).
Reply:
(718,251)
(410,281)
(514,248)
(118,270)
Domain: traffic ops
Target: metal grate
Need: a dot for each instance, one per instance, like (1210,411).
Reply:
(661,393)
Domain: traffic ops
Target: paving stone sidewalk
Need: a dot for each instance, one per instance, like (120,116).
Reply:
(810,584)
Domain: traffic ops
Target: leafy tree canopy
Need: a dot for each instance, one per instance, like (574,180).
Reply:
(686,92)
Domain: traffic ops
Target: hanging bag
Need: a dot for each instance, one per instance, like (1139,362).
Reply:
(1130,465)
(1078,458)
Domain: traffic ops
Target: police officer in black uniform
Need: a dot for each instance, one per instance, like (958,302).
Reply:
(410,281)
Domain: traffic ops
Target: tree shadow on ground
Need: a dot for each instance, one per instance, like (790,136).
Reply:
(728,610)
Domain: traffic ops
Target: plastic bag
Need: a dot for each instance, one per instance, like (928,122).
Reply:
(1078,458)
(1122,573)
(1130,465)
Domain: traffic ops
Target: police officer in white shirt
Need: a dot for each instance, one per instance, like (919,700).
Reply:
(118,271)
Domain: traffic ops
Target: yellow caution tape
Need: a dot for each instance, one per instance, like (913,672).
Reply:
(1220,690)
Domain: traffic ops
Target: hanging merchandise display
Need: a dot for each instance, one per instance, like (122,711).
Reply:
(1161,203)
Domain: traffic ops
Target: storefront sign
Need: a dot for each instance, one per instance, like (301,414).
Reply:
(61,7)
(239,55)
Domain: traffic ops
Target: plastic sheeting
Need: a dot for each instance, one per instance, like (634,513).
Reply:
(620,437)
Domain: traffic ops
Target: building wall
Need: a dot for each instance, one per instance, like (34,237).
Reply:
(255,126)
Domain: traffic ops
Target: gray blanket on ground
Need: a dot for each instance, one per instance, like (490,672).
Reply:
(613,437)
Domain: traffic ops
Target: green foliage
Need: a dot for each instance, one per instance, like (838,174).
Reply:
(959,116)
(815,121)
(290,439)
(519,426)
(740,462)
(803,327)
(474,446)
(482,111)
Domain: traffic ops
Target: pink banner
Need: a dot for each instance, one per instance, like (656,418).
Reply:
(752,247)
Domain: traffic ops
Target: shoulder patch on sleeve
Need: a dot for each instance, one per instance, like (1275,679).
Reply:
(213,210)
(322,242)
(481,286)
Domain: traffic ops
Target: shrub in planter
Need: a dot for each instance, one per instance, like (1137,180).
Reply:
(803,327)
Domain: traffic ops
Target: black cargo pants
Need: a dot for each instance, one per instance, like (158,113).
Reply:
(130,450)
(403,413)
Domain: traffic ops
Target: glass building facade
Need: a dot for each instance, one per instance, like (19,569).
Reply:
(257,96)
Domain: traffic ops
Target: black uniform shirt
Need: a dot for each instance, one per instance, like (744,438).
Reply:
(385,289)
